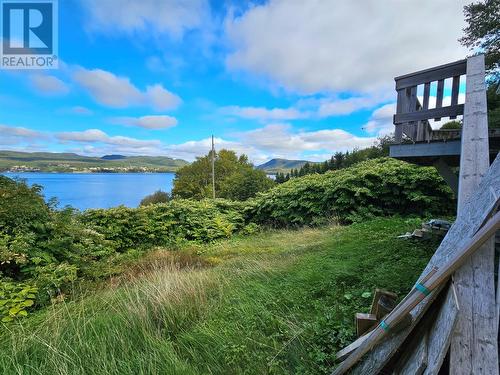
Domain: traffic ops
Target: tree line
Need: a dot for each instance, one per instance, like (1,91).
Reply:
(340,160)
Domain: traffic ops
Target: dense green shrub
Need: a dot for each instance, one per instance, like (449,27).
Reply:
(157,197)
(22,207)
(167,223)
(377,187)
(15,299)
(452,125)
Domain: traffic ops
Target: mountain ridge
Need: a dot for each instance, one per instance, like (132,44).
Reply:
(276,165)
(19,161)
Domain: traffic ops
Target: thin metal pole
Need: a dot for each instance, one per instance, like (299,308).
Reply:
(213,168)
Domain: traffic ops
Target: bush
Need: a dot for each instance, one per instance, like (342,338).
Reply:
(23,208)
(157,197)
(379,187)
(167,223)
(15,299)
(452,125)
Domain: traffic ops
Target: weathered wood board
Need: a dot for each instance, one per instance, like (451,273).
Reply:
(416,362)
(364,323)
(439,341)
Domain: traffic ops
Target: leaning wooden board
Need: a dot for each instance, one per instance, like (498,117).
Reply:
(478,208)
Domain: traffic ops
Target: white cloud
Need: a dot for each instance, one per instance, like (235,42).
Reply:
(147,122)
(339,107)
(280,139)
(326,106)
(118,92)
(262,114)
(191,149)
(49,85)
(344,45)
(98,136)
(380,122)
(160,98)
(12,135)
(171,17)
(261,144)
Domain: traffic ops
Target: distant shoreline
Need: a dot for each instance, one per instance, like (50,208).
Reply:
(88,172)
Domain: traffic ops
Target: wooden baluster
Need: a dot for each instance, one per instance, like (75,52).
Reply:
(454,93)
(400,107)
(413,99)
(439,96)
(427,92)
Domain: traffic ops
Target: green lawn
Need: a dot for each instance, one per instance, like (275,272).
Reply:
(279,302)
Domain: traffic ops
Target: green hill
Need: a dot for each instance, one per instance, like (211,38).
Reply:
(274,166)
(69,162)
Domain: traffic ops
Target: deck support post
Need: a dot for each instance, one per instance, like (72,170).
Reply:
(445,171)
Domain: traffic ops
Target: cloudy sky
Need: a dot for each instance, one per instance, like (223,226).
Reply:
(279,78)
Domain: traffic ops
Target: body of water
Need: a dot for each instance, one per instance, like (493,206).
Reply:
(98,190)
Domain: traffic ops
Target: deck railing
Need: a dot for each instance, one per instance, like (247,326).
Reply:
(411,116)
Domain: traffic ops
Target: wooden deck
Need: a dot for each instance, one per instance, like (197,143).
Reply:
(442,144)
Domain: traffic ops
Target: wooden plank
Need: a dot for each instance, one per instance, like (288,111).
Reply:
(398,133)
(413,99)
(427,93)
(388,302)
(455,86)
(498,286)
(385,305)
(401,103)
(429,113)
(478,208)
(474,345)
(439,341)
(456,68)
(364,323)
(416,362)
(410,362)
(427,150)
(439,96)
(433,284)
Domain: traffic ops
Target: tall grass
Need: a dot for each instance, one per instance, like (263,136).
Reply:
(127,330)
(273,303)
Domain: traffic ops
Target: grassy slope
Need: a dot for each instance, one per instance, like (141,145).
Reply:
(275,303)
(62,161)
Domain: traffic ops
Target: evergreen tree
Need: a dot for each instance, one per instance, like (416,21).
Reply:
(483,32)
(339,159)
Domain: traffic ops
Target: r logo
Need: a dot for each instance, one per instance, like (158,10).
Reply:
(27,28)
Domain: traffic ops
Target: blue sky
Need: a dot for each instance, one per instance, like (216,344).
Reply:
(279,78)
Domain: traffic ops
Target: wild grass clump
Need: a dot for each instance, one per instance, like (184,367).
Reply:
(123,330)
